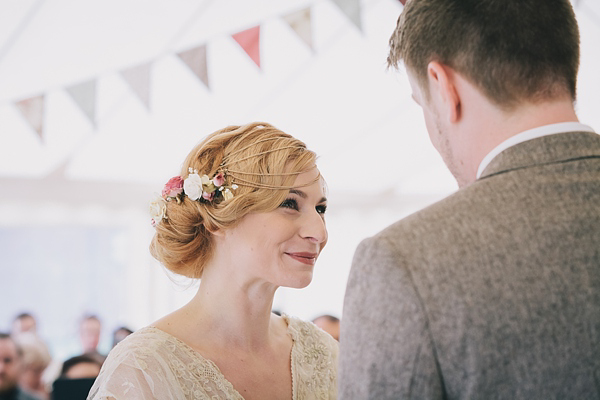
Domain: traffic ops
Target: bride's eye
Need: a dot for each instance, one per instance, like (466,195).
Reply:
(290,203)
(321,209)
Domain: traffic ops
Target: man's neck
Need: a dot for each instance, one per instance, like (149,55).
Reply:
(498,127)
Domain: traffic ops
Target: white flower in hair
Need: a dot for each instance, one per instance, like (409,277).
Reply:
(227,194)
(192,186)
(158,210)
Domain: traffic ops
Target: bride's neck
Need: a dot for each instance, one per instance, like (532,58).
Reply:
(232,310)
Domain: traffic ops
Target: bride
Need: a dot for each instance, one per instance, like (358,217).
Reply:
(246,216)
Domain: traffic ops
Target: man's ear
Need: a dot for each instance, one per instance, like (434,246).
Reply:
(442,82)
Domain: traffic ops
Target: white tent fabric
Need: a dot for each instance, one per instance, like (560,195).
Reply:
(339,98)
(336,96)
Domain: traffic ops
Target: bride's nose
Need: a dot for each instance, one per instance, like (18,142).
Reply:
(313,228)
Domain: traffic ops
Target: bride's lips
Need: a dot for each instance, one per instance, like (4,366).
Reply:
(304,257)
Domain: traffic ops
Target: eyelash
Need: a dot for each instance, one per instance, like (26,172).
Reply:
(293,204)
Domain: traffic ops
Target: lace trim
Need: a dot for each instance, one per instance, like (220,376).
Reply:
(220,380)
(170,368)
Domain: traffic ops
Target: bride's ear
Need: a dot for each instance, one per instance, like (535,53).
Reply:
(220,233)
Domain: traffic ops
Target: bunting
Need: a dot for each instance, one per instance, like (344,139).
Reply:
(300,22)
(84,95)
(195,59)
(138,79)
(249,40)
(352,10)
(404,2)
(32,110)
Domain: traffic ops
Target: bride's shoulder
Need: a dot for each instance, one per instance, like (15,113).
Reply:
(306,332)
(145,341)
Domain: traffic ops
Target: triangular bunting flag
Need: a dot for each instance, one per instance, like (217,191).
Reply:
(138,79)
(84,95)
(404,2)
(352,10)
(195,59)
(59,172)
(249,40)
(300,22)
(33,111)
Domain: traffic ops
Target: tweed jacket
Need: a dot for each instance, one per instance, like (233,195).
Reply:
(491,293)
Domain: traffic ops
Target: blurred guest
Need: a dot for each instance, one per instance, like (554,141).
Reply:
(120,334)
(24,322)
(10,370)
(89,335)
(79,367)
(329,324)
(35,359)
(76,379)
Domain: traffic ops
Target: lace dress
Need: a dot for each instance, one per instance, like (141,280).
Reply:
(151,364)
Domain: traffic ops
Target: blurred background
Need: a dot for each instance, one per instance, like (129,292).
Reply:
(100,101)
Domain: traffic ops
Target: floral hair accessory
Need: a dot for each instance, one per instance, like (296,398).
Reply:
(195,187)
(202,188)
(158,210)
(173,188)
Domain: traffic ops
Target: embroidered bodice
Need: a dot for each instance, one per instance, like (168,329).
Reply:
(152,364)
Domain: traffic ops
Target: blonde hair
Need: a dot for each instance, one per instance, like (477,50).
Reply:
(260,159)
(34,350)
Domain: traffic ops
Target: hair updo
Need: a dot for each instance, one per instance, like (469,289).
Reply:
(262,160)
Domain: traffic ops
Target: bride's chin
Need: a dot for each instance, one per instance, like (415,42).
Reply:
(300,282)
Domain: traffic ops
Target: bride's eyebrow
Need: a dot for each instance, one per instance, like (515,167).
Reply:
(304,195)
(298,193)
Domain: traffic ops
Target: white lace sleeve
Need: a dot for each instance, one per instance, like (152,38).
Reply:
(134,371)
(151,364)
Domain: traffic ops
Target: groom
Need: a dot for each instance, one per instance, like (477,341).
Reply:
(493,292)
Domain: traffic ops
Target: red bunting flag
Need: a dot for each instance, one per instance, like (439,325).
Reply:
(32,110)
(249,40)
(403,2)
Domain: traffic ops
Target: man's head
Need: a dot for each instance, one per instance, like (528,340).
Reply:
(120,333)
(484,70)
(89,333)
(329,324)
(79,367)
(512,51)
(10,363)
(24,322)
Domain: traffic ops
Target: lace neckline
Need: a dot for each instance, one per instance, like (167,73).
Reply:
(195,354)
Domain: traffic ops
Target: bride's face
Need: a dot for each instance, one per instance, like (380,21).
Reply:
(282,246)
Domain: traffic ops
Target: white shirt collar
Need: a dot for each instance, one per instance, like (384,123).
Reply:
(531,134)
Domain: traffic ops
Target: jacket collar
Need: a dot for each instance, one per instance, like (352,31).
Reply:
(550,149)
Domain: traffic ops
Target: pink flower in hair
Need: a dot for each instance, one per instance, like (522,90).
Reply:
(219,179)
(208,196)
(174,187)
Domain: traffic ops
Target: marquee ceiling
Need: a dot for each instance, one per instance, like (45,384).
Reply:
(121,106)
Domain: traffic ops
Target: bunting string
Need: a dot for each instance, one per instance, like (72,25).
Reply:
(138,77)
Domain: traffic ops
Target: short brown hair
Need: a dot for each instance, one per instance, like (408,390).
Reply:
(512,50)
(183,242)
